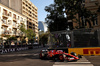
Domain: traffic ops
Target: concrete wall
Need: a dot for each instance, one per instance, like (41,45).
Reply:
(91,5)
(5,2)
(16,5)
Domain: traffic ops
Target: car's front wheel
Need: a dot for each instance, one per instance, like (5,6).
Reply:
(40,56)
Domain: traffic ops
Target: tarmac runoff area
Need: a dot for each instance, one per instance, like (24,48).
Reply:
(82,62)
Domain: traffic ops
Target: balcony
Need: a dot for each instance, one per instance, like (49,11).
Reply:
(21,21)
(6,32)
(5,15)
(14,19)
(14,26)
(18,33)
(9,22)
(24,2)
(14,33)
(4,22)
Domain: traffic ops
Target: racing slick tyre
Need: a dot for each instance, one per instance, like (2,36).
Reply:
(40,56)
(55,58)
(61,58)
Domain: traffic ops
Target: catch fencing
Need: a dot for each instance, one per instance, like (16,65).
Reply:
(75,38)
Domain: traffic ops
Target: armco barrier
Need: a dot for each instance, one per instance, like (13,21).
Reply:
(12,49)
(85,51)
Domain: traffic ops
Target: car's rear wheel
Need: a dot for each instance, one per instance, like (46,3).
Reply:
(55,58)
(61,58)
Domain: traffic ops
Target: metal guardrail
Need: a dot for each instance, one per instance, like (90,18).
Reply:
(13,48)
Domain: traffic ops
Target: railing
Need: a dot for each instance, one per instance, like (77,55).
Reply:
(5,14)
(7,32)
(14,26)
(4,21)
(9,23)
(18,46)
(15,19)
(14,32)
(21,21)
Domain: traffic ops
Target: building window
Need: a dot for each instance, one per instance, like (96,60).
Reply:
(95,20)
(30,27)
(93,0)
(33,27)
(9,14)
(4,12)
(9,22)
(14,31)
(4,21)
(30,23)
(5,29)
(21,19)
(14,16)
(14,23)
(33,24)
(26,5)
(18,17)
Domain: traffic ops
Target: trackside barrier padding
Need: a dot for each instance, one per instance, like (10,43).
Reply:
(85,51)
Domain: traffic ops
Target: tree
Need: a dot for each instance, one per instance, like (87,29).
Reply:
(22,28)
(73,7)
(30,34)
(43,38)
(70,8)
(55,20)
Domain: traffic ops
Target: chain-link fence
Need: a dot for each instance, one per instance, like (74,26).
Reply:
(75,38)
(86,38)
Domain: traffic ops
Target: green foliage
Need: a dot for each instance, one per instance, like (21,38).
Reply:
(30,34)
(55,20)
(22,28)
(43,38)
(1,38)
(12,38)
(7,36)
(71,8)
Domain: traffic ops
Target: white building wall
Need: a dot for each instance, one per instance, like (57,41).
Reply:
(18,21)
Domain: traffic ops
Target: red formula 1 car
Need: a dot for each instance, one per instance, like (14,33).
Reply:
(58,55)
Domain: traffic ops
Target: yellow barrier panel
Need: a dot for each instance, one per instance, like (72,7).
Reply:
(85,51)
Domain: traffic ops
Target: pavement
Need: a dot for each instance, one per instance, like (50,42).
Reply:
(95,60)
(82,62)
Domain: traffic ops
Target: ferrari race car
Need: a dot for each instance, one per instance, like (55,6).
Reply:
(58,55)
